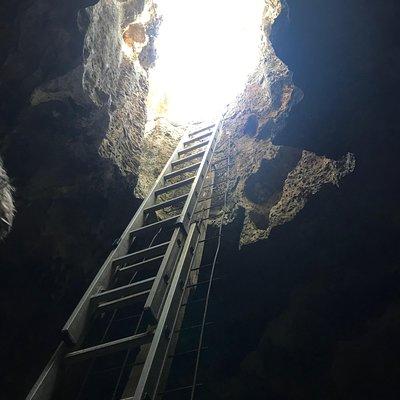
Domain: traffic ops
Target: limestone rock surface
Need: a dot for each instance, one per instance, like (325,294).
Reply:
(158,145)
(7,208)
(73,114)
(272,182)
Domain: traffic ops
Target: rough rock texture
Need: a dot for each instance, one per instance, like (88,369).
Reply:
(72,123)
(273,182)
(313,312)
(310,313)
(286,195)
(160,141)
(7,208)
(158,145)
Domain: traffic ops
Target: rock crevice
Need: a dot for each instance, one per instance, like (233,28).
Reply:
(274,181)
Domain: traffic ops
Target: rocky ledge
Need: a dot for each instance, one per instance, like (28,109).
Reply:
(273,182)
(73,111)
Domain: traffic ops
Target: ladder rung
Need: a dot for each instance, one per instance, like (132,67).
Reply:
(213,168)
(188,158)
(165,223)
(178,172)
(110,347)
(167,203)
(210,238)
(209,208)
(135,316)
(220,160)
(145,253)
(108,370)
(184,353)
(195,139)
(214,196)
(188,303)
(125,290)
(202,220)
(178,389)
(203,282)
(188,328)
(122,301)
(138,266)
(201,130)
(204,266)
(174,186)
(194,147)
(216,184)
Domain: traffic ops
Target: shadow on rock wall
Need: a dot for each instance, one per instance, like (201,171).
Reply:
(313,312)
(73,112)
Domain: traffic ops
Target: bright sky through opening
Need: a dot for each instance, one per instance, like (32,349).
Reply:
(206,49)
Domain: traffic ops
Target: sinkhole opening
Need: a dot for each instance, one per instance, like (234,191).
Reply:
(205,51)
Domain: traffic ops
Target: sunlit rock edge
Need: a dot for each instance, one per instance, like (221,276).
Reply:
(272,184)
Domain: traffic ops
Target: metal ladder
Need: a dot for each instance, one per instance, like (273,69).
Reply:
(189,377)
(121,328)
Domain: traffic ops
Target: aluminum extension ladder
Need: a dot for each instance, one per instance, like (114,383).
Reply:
(124,321)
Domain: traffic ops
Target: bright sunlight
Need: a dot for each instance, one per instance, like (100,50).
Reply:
(206,49)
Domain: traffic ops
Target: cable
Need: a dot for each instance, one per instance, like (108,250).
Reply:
(203,323)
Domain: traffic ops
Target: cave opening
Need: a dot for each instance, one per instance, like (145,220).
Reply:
(304,302)
(205,52)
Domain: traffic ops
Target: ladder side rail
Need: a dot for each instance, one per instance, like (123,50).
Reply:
(211,276)
(74,328)
(154,227)
(192,278)
(162,282)
(149,378)
(153,377)
(188,209)
(201,130)
(195,139)
(156,297)
(45,384)
(184,160)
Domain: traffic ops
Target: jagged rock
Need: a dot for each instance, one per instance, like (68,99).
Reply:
(158,145)
(71,133)
(7,208)
(315,308)
(306,178)
(272,182)
(73,113)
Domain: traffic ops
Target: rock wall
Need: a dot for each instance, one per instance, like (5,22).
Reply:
(159,143)
(273,182)
(73,113)
(313,312)
(7,208)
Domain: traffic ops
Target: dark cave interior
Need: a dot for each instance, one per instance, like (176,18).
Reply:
(314,311)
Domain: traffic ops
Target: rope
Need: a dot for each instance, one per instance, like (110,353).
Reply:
(203,323)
